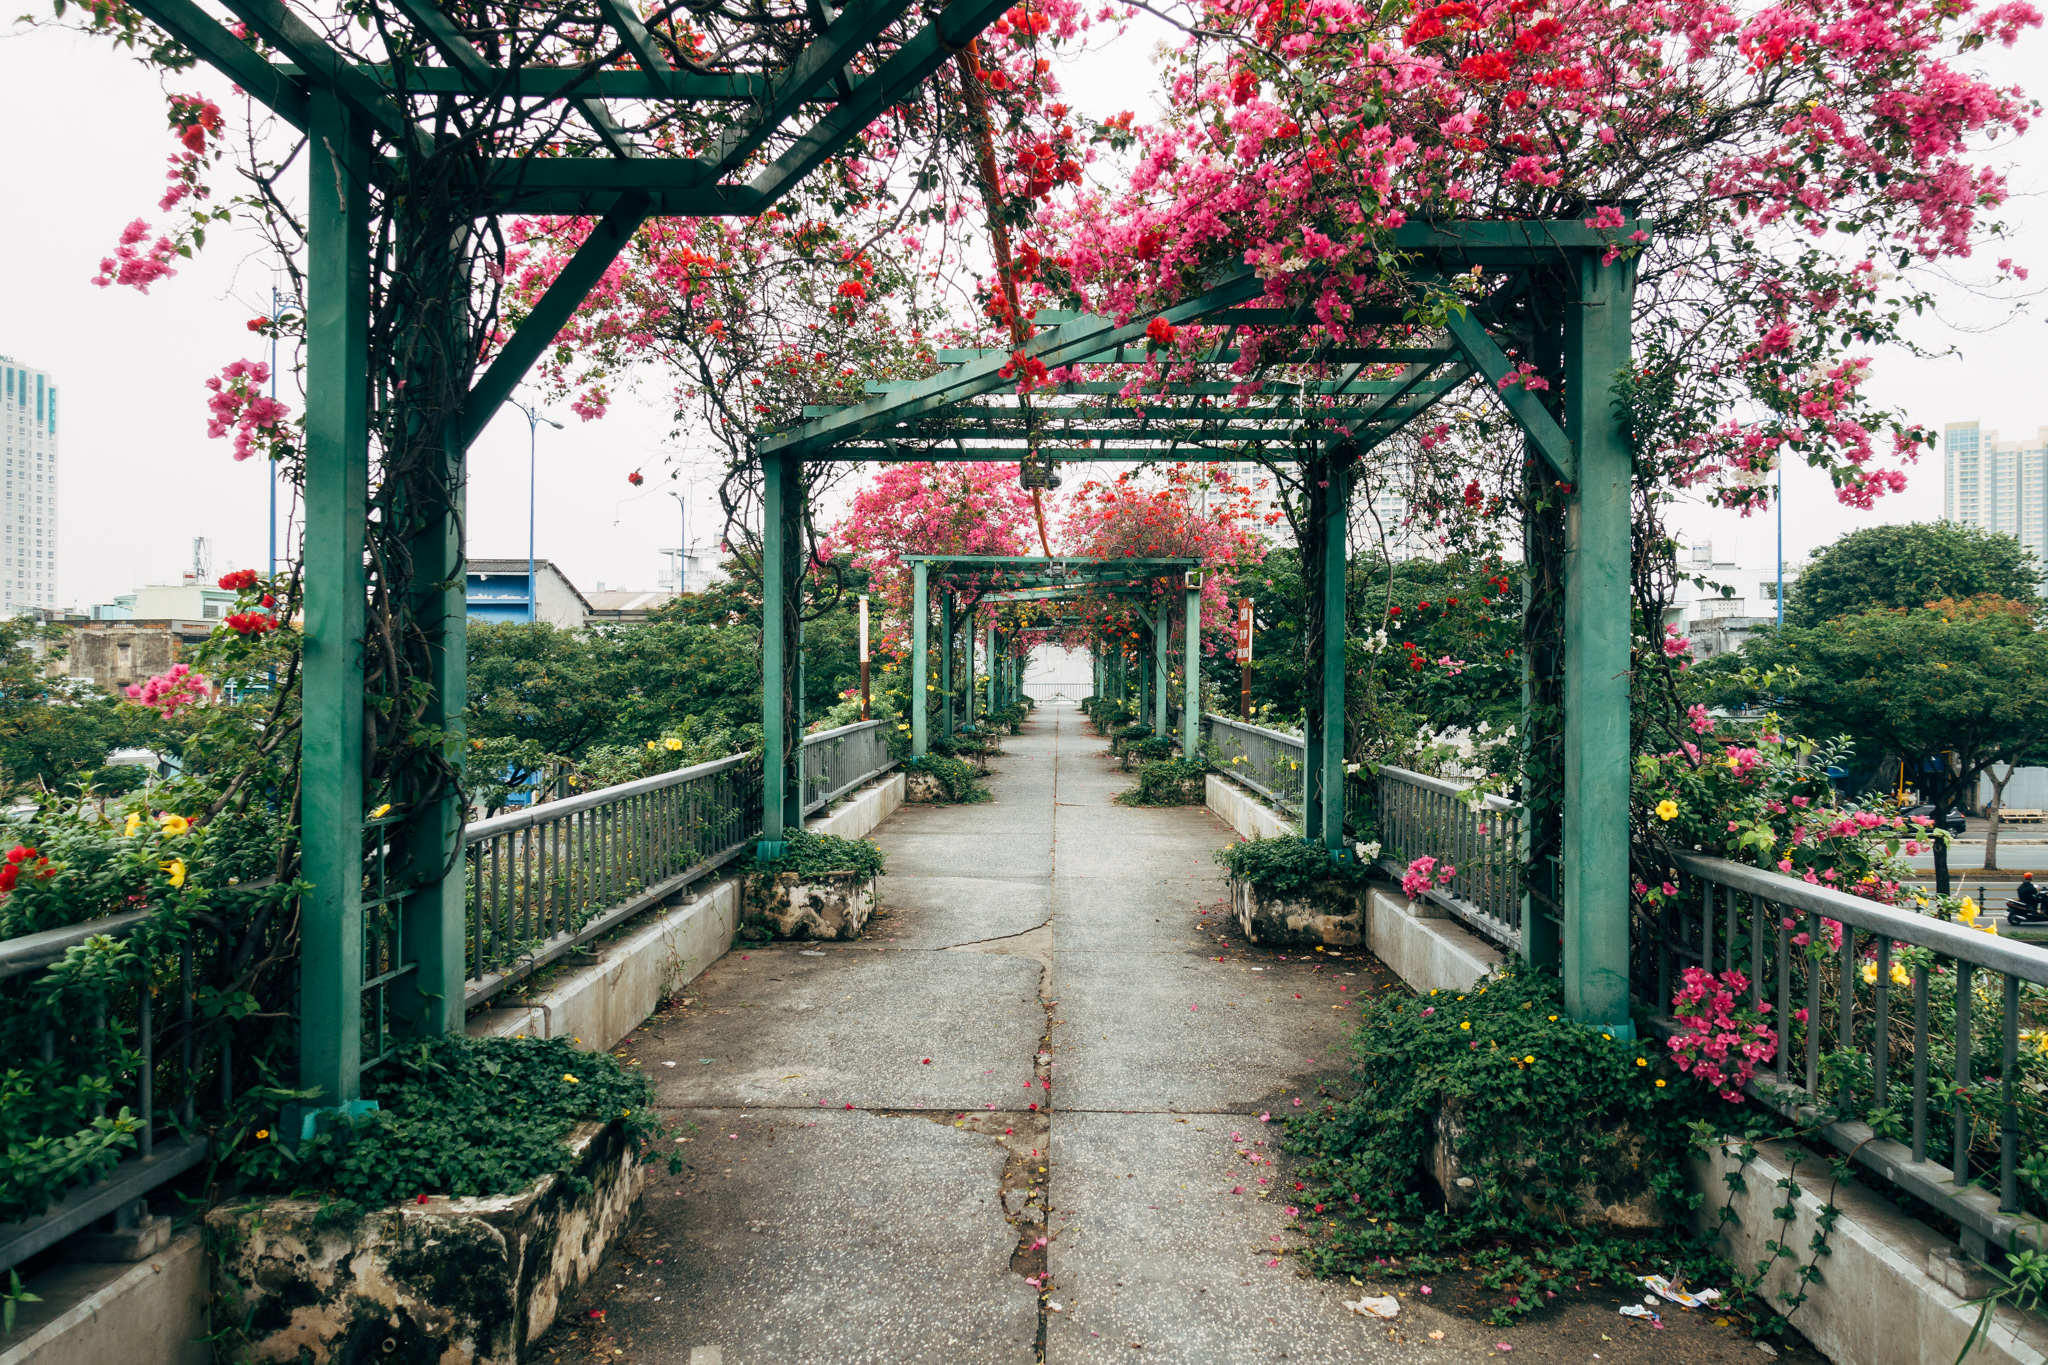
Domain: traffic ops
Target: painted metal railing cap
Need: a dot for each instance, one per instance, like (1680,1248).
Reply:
(2013,958)
(31,951)
(604,796)
(1448,788)
(1278,736)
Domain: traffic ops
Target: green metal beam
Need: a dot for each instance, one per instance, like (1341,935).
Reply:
(277,88)
(550,82)
(781,497)
(1062,345)
(337,491)
(1597,631)
(549,315)
(946,664)
(955,26)
(625,21)
(804,79)
(1062,561)
(326,68)
(1138,355)
(1487,358)
(1191,673)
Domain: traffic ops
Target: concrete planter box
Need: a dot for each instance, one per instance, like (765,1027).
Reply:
(455,1281)
(827,905)
(1332,915)
(1614,1194)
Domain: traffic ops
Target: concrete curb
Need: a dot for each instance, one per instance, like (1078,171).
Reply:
(149,1313)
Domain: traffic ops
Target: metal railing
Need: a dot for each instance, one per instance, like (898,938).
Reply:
(837,761)
(1482,844)
(137,1024)
(549,878)
(1266,761)
(1869,1069)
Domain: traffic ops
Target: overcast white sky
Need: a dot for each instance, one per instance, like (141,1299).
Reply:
(140,478)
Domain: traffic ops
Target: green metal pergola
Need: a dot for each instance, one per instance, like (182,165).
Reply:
(378,122)
(1032,578)
(1555,295)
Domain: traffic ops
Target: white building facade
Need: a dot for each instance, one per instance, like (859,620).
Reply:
(28,495)
(1997,485)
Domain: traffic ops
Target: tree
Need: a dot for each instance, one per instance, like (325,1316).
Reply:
(1908,566)
(1970,682)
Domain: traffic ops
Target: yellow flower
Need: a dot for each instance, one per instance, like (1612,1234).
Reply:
(1641,1062)
(1528,1060)
(134,824)
(1869,973)
(176,868)
(1553,1018)
(570,1079)
(262,1134)
(672,744)
(381,811)
(654,744)
(1466,1025)
(1968,913)
(174,825)
(1608,1036)
(1660,1085)
(1900,976)
(1667,809)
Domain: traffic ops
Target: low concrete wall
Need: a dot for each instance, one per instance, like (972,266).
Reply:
(1892,1291)
(1425,947)
(149,1313)
(602,1002)
(1244,812)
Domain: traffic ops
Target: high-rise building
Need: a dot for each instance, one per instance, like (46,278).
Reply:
(28,495)
(1998,485)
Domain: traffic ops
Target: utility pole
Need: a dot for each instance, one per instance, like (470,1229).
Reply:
(533,421)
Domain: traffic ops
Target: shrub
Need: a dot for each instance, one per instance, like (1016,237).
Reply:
(1284,865)
(1541,1101)
(957,778)
(811,855)
(1168,782)
(459,1116)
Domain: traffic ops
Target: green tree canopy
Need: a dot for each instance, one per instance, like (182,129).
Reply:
(1908,566)
(1970,679)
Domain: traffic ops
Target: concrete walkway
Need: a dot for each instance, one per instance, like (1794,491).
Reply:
(1010,1124)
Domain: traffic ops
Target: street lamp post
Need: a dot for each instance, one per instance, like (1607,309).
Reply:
(533,421)
(683,546)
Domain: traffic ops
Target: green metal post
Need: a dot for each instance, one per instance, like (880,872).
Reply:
(920,647)
(337,487)
(967,643)
(946,664)
(1159,677)
(995,666)
(1336,524)
(1147,687)
(781,785)
(1596,651)
(1191,668)
(428,1001)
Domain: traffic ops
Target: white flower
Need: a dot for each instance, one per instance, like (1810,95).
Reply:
(1367,852)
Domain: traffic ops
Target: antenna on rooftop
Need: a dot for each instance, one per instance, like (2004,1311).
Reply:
(202,558)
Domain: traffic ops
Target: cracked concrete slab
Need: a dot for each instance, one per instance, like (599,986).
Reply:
(1152,1250)
(777,1026)
(942,912)
(843,1237)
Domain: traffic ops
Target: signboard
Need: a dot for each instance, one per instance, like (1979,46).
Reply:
(1244,631)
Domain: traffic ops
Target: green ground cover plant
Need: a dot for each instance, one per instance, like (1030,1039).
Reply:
(1285,866)
(458,1116)
(958,779)
(1541,1101)
(814,855)
(1168,782)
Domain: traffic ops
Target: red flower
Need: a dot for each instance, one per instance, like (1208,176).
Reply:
(19,854)
(239,581)
(1161,331)
(251,623)
(852,289)
(8,873)
(635,478)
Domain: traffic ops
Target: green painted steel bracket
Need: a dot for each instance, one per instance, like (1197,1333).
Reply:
(277,87)
(538,332)
(1535,419)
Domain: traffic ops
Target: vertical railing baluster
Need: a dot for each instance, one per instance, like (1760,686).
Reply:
(146,1096)
(1812,956)
(1663,1000)
(1881,1024)
(1920,1061)
(1728,938)
(1845,1014)
(2009,1109)
(1959,1164)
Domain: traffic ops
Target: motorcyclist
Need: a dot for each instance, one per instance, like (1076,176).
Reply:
(2031,907)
